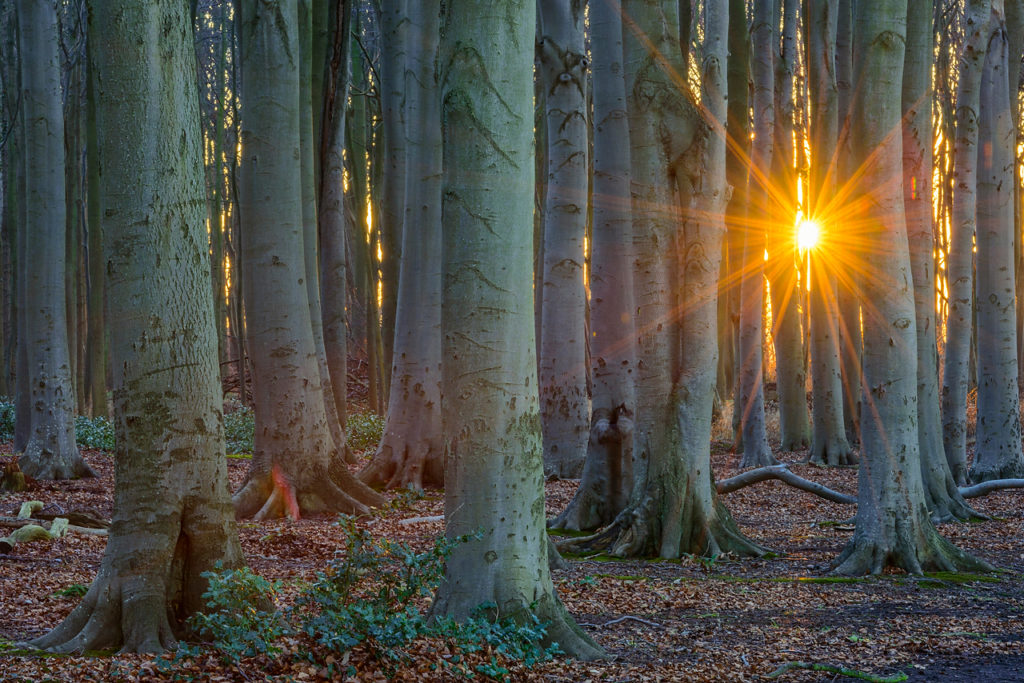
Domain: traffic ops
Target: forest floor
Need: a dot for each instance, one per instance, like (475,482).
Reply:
(726,620)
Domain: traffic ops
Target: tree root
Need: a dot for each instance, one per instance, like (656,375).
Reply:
(37,463)
(987,487)
(839,670)
(276,494)
(399,463)
(757,456)
(782,473)
(1010,470)
(907,551)
(834,452)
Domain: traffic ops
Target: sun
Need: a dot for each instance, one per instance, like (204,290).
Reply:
(808,234)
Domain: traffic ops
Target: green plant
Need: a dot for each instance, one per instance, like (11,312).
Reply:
(239,428)
(364,430)
(94,432)
(75,590)
(6,420)
(237,623)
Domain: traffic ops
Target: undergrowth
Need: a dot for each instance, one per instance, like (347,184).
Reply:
(371,596)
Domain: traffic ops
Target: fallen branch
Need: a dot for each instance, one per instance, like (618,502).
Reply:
(422,520)
(783,474)
(839,670)
(987,487)
(13,522)
(621,619)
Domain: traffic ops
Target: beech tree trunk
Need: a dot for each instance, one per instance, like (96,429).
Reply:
(828,439)
(790,363)
(941,492)
(997,452)
(960,262)
(172,512)
(893,526)
(297,466)
(750,400)
(608,470)
(564,396)
(50,451)
(410,453)
(495,478)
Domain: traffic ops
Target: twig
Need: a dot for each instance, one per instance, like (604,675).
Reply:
(422,520)
(783,474)
(987,487)
(842,671)
(621,619)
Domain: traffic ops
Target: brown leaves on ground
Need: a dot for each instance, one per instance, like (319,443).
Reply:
(694,620)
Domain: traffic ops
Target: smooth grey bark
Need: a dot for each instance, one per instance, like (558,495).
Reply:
(297,465)
(790,363)
(331,215)
(172,512)
(828,439)
(676,162)
(960,261)
(997,452)
(564,396)
(411,453)
(608,471)
(97,337)
(750,399)
(893,526)
(941,493)
(50,452)
(1015,38)
(495,477)
(846,281)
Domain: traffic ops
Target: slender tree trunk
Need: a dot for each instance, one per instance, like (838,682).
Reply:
(410,453)
(960,262)
(97,338)
(790,368)
(494,479)
(893,525)
(607,473)
(750,401)
(997,453)
(564,399)
(846,280)
(828,443)
(172,514)
(50,452)
(297,464)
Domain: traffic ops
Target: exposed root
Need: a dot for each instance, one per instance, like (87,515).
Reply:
(277,494)
(1014,469)
(757,456)
(987,487)
(903,548)
(832,452)
(405,464)
(782,473)
(39,463)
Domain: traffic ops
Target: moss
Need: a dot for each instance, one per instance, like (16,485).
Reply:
(828,579)
(943,579)
(240,456)
(622,577)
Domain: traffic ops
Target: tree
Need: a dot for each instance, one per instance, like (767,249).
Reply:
(607,473)
(564,397)
(750,398)
(410,453)
(50,451)
(893,526)
(960,262)
(172,513)
(997,452)
(828,439)
(494,479)
(675,162)
(941,492)
(297,464)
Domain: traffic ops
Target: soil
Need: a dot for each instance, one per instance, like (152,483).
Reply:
(694,620)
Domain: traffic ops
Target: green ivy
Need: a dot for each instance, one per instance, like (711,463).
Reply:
(364,430)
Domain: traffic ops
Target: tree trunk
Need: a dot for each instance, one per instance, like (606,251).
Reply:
(750,400)
(494,478)
(297,465)
(941,493)
(960,262)
(893,527)
(564,399)
(410,453)
(97,339)
(50,452)
(607,472)
(790,366)
(997,453)
(172,515)
(828,440)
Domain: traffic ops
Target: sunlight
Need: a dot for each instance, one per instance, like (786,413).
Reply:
(808,234)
